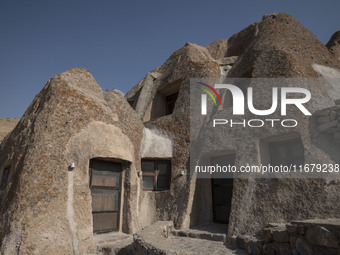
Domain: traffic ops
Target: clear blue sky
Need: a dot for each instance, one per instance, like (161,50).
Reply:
(120,41)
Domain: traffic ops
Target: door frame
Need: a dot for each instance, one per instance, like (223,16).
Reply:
(106,188)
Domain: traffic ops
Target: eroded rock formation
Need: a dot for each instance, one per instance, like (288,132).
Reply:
(334,44)
(46,208)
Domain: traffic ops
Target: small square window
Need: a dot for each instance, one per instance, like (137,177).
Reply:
(170,103)
(287,152)
(156,174)
(4,178)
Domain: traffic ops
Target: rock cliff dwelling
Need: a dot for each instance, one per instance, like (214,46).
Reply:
(83,161)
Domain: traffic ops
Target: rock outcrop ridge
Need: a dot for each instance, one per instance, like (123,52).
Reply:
(334,45)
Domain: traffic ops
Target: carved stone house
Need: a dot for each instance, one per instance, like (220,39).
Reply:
(84,161)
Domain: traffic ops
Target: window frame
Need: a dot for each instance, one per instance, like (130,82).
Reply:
(5,178)
(156,173)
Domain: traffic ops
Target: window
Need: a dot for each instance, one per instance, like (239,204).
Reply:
(4,178)
(164,101)
(170,103)
(287,152)
(156,174)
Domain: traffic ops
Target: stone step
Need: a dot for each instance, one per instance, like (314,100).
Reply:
(114,243)
(200,234)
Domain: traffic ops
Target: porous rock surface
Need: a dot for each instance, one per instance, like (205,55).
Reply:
(277,47)
(45,208)
(334,44)
(300,237)
(190,61)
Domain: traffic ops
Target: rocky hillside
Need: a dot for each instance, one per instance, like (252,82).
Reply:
(6,126)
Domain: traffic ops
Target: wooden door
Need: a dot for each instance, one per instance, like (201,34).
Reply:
(105,191)
(222,191)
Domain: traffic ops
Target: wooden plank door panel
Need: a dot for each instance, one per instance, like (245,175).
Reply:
(105,200)
(105,179)
(105,191)
(105,222)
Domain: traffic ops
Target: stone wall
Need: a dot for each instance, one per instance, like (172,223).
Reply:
(298,237)
(150,241)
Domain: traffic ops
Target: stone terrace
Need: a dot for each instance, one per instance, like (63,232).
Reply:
(161,238)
